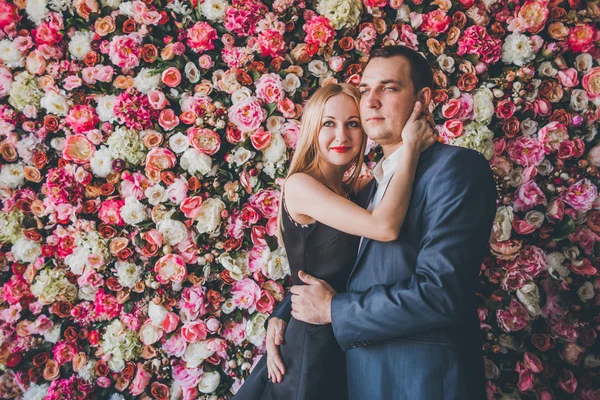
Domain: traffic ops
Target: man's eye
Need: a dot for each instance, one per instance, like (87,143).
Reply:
(390,89)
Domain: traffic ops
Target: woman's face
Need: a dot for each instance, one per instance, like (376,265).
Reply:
(341,136)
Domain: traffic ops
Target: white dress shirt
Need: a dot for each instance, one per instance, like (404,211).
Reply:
(383,172)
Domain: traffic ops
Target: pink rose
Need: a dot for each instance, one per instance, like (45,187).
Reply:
(160,158)
(318,31)
(451,129)
(157,99)
(568,78)
(177,191)
(171,77)
(525,378)
(170,268)
(556,209)
(581,195)
(64,352)
(245,294)
(528,196)
(110,212)
(552,135)
(168,120)
(79,149)
(204,139)
(187,377)
(125,50)
(150,334)
(591,83)
(247,115)
(192,303)
(194,332)
(514,318)
(35,63)
(174,346)
(287,108)
(532,260)
(205,61)
(581,38)
(191,206)
(260,139)
(257,235)
(140,381)
(542,107)
(532,362)
(271,43)
(567,381)
(266,303)
(266,202)
(169,324)
(72,82)
(201,37)
(435,22)
(269,88)
(525,151)
(213,325)
(505,109)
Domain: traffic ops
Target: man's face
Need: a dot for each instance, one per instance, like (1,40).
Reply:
(387,100)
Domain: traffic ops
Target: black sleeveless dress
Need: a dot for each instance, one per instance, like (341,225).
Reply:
(315,364)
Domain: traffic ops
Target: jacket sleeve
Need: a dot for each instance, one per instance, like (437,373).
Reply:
(457,220)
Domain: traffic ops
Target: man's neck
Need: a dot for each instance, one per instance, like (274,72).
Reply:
(389,149)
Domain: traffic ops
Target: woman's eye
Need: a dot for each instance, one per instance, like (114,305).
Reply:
(353,124)
(363,92)
(328,124)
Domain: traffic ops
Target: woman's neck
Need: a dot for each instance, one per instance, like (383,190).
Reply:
(331,176)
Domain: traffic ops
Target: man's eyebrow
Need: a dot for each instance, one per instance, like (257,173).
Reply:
(383,82)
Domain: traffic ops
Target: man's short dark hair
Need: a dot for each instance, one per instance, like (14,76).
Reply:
(421,73)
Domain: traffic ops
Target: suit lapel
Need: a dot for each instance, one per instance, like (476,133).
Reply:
(365,241)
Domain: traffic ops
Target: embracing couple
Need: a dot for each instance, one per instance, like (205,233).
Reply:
(385,271)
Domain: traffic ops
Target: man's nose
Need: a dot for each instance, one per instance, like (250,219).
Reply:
(372,100)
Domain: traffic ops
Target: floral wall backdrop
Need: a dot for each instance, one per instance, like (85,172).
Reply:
(142,146)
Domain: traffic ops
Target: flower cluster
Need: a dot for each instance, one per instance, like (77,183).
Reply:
(142,148)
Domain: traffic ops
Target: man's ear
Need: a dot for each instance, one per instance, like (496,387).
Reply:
(424,96)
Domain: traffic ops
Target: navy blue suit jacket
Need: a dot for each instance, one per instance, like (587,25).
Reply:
(408,321)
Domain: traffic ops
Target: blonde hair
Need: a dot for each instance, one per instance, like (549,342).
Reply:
(307,154)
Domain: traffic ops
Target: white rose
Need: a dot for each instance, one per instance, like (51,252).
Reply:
(209,381)
(278,266)
(529,127)
(53,334)
(116,364)
(101,162)
(191,72)
(579,100)
(105,108)
(133,212)
(275,123)
(209,217)
(35,392)
(194,160)
(37,10)
(291,83)
(128,273)
(196,353)
(179,142)
(26,250)
(236,267)
(174,232)
(584,62)
(114,4)
(318,68)
(529,295)
(213,10)
(150,334)
(502,228)
(517,49)
(241,95)
(147,80)
(55,103)
(554,265)
(10,54)
(157,313)
(535,218)
(586,292)
(547,69)
(241,156)
(255,329)
(80,44)
(228,306)
(12,175)
(446,63)
(483,105)
(276,151)
(403,14)
(156,194)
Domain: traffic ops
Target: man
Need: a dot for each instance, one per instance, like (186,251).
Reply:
(408,322)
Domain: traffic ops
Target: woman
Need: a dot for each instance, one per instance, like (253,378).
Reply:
(321,227)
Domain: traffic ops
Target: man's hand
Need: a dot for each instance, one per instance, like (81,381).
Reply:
(275,334)
(311,303)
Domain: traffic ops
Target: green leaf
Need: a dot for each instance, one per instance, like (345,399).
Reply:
(564,229)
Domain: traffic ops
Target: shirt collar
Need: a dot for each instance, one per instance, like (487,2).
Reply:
(385,168)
